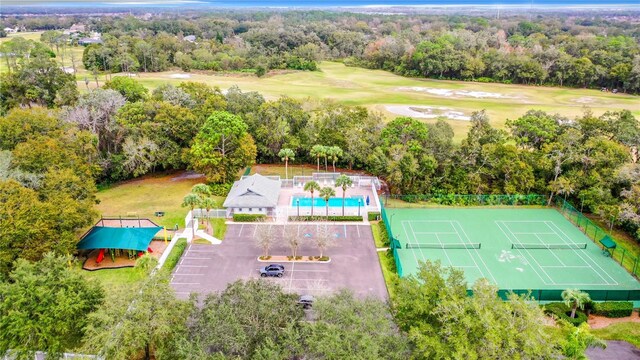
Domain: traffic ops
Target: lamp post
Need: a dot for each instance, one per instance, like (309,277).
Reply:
(298,202)
(359,203)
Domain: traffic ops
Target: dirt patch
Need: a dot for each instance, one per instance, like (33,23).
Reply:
(459,93)
(598,322)
(187,175)
(427,112)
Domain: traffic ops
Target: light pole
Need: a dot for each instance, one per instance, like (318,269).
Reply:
(359,202)
(298,202)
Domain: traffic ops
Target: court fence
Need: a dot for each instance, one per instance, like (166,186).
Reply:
(594,232)
(426,200)
(556,294)
(393,241)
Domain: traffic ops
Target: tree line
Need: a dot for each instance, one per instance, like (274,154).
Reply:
(49,306)
(552,50)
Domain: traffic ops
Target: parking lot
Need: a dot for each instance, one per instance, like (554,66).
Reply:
(354,263)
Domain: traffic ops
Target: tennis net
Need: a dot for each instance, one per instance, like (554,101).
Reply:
(442,246)
(549,246)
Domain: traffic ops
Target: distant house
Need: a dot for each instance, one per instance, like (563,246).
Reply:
(77,28)
(9,30)
(254,194)
(190,38)
(89,41)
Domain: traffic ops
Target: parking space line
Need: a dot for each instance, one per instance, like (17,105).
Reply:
(196,258)
(310,270)
(293,265)
(201,251)
(176,274)
(358,228)
(345,231)
(176,283)
(240,232)
(195,266)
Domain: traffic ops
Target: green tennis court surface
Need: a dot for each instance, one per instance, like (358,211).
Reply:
(514,248)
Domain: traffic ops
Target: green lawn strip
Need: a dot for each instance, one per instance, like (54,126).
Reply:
(110,279)
(388,272)
(625,331)
(219,227)
(174,255)
(377,234)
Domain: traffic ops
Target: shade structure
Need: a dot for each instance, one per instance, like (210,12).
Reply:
(103,237)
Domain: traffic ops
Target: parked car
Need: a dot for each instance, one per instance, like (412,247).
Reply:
(306,301)
(272,270)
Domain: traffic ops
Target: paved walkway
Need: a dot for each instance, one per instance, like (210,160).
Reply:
(618,350)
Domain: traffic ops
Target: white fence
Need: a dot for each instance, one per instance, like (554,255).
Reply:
(213,213)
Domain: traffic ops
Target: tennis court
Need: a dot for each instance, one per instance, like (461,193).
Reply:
(515,248)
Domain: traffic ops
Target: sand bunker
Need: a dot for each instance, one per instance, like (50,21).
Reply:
(180,76)
(585,100)
(459,93)
(427,112)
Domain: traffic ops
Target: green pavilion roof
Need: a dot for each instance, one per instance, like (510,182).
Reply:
(133,238)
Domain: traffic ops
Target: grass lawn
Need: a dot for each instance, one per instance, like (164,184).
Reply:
(626,331)
(377,234)
(390,276)
(112,279)
(148,194)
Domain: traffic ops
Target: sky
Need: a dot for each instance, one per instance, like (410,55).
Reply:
(313,3)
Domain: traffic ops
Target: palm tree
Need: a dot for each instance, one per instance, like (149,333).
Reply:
(208,204)
(191,200)
(318,151)
(344,181)
(202,190)
(326,193)
(286,155)
(575,299)
(334,152)
(311,186)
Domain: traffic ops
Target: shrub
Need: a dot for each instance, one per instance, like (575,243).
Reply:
(373,216)
(324,258)
(562,311)
(614,309)
(220,189)
(249,217)
(175,254)
(324,218)
(265,257)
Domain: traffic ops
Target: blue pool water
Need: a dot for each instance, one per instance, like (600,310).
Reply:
(349,201)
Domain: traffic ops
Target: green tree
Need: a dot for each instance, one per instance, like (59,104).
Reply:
(311,187)
(576,339)
(191,201)
(222,147)
(344,182)
(286,155)
(345,327)
(534,129)
(334,152)
(318,151)
(142,324)
(575,299)
(128,87)
(447,323)
(44,306)
(239,321)
(326,193)
(208,204)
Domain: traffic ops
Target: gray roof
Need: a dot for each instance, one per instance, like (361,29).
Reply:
(253,191)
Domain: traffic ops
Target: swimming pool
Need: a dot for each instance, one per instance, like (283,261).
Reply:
(349,201)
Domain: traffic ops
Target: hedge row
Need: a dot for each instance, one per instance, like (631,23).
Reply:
(324,218)
(249,217)
(614,309)
(175,254)
(374,215)
(562,311)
